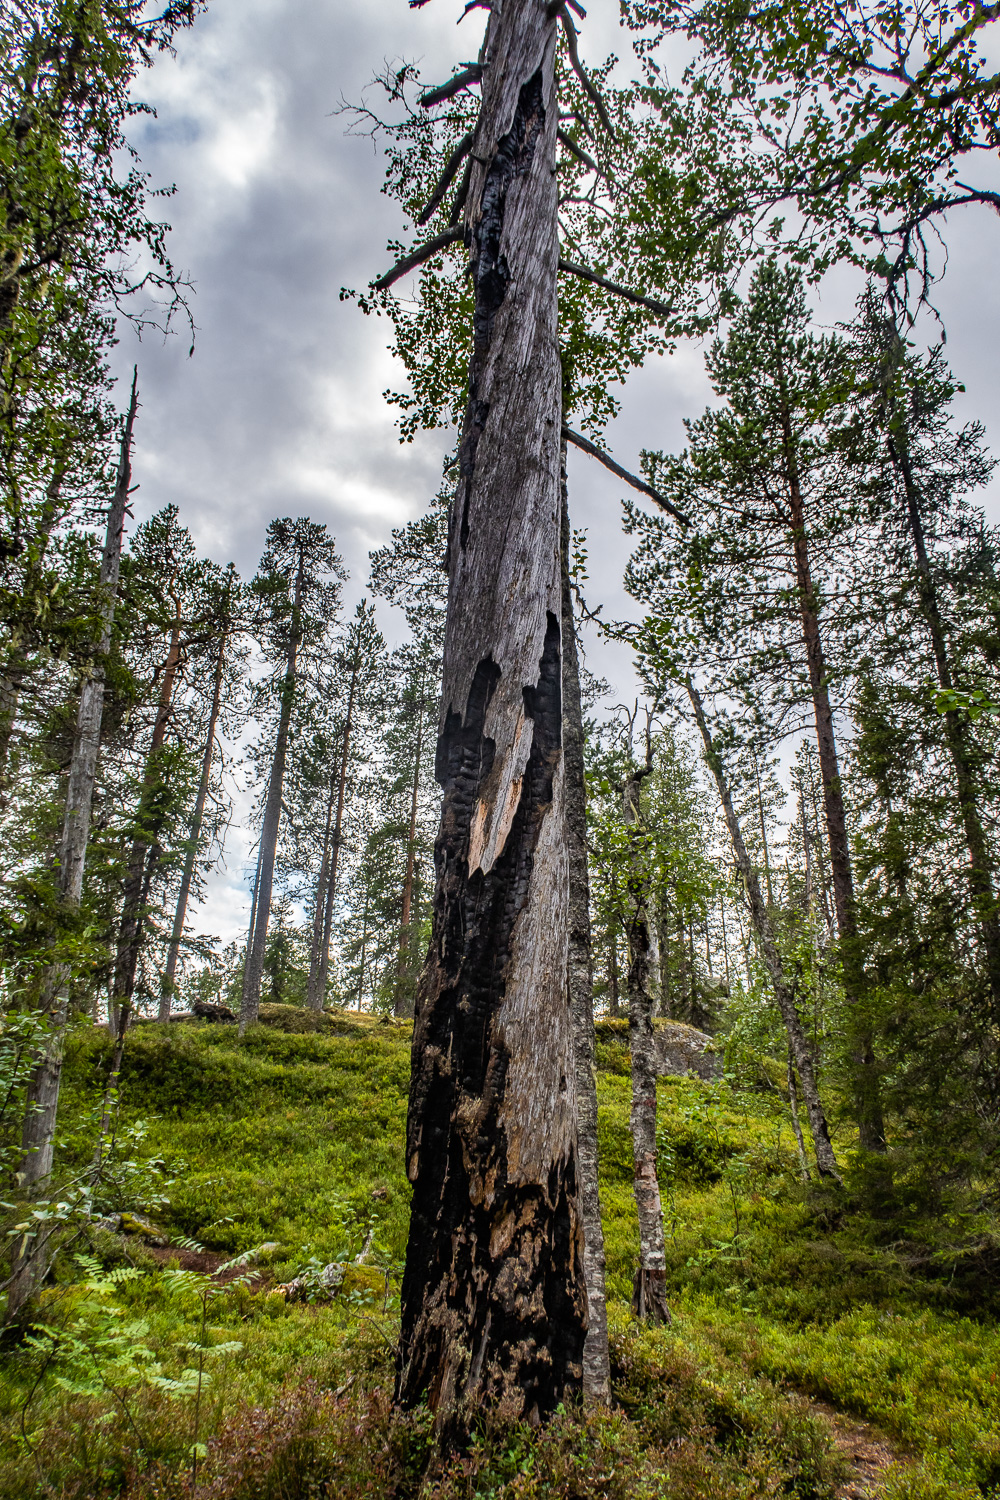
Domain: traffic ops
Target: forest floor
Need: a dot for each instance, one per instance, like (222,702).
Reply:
(822,1346)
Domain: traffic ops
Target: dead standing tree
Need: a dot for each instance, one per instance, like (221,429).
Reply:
(649,1300)
(493,1297)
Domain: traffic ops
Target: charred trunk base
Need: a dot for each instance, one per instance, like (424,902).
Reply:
(649,1296)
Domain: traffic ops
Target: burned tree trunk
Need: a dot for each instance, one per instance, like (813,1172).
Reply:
(649,1296)
(596,1357)
(493,1297)
(798,1044)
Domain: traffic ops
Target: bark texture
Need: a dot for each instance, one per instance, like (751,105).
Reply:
(493,1297)
(596,1357)
(798,1044)
(649,1296)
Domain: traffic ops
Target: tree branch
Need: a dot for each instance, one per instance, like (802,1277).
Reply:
(589,87)
(417,257)
(586,446)
(470,75)
(461,195)
(577,151)
(660,308)
(455,160)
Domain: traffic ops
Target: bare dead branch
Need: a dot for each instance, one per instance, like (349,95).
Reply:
(586,446)
(455,160)
(417,257)
(660,308)
(589,87)
(461,195)
(463,80)
(577,151)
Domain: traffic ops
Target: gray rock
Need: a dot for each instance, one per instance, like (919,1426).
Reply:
(683,1050)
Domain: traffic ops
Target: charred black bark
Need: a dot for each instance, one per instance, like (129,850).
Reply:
(497,1280)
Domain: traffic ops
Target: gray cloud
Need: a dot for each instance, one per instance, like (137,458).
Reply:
(280,410)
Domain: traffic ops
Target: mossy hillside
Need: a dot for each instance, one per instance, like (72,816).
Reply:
(295,1136)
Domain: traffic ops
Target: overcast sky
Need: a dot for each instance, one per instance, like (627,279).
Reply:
(280,410)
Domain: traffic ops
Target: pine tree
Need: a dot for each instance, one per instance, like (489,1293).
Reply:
(297,589)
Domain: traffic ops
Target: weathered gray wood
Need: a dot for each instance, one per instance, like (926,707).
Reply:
(596,1357)
(493,1297)
(798,1043)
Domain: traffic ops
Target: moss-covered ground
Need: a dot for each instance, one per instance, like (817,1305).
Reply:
(147,1376)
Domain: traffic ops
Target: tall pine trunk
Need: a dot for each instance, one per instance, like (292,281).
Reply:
(649,1296)
(317,987)
(493,1296)
(145,850)
(313,996)
(798,1044)
(867,1102)
(596,1357)
(168,985)
(42,1095)
(981,872)
(403,1005)
(253,971)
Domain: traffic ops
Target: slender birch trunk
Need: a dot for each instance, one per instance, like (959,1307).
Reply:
(264,883)
(403,1004)
(649,1293)
(190,859)
(793,1109)
(826,1161)
(42,1095)
(494,1291)
(580,972)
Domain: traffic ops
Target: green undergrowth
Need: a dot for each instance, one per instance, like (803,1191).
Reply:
(145,1377)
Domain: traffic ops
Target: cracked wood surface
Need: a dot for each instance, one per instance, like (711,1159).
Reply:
(494,1305)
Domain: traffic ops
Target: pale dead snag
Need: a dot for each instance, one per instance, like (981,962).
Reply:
(493,1296)
(649,1290)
